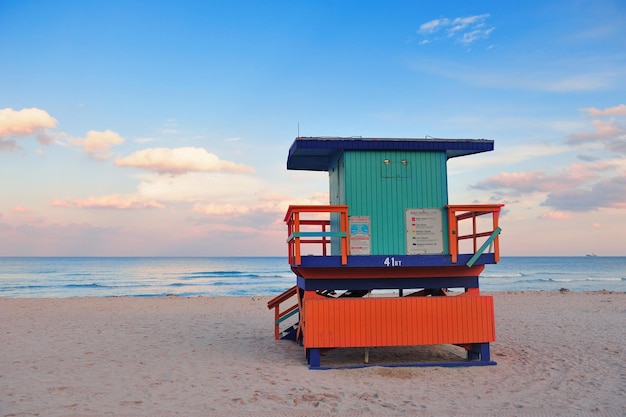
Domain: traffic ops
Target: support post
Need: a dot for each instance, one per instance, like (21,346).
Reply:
(313,358)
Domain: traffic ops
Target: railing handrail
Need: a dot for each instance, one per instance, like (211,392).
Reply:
(282,297)
(295,237)
(279,315)
(472,211)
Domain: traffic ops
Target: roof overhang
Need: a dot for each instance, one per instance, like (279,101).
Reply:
(318,153)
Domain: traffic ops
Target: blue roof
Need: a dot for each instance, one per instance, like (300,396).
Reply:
(318,153)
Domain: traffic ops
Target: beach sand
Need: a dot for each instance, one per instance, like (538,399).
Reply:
(558,354)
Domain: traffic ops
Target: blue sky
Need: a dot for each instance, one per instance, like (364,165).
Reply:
(162,128)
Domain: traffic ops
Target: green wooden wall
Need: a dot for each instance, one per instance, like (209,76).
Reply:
(382,191)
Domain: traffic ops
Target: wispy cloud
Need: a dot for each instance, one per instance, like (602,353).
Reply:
(557,215)
(274,204)
(539,181)
(114,201)
(179,161)
(21,210)
(465,30)
(610,133)
(579,187)
(611,111)
(170,127)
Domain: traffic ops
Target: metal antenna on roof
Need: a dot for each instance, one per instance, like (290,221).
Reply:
(298,129)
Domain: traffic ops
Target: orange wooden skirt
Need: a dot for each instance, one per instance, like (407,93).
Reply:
(401,321)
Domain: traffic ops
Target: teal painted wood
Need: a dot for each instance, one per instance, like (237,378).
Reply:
(480,251)
(362,180)
(315,234)
(336,180)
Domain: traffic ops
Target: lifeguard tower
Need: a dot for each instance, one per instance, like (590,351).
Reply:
(389,229)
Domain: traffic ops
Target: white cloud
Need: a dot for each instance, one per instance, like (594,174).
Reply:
(465,30)
(200,187)
(98,144)
(179,161)
(25,122)
(433,25)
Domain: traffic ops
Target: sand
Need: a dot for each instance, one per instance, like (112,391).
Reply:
(558,354)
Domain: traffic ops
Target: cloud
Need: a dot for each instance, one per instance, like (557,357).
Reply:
(559,77)
(433,25)
(539,181)
(611,133)
(557,215)
(221,209)
(506,156)
(113,201)
(619,110)
(98,144)
(579,187)
(274,204)
(606,193)
(170,127)
(464,30)
(179,161)
(21,209)
(25,122)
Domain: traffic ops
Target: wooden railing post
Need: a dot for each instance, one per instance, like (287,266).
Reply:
(457,213)
(296,236)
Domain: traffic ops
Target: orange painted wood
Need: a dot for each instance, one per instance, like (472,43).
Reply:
(471,212)
(405,321)
(293,220)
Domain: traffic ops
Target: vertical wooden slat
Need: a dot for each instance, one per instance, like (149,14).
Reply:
(419,184)
(398,321)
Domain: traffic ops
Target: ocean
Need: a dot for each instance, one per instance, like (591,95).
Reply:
(62,277)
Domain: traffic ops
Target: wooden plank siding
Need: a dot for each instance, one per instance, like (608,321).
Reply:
(362,181)
(363,322)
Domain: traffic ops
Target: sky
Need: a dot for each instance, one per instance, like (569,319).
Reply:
(161,128)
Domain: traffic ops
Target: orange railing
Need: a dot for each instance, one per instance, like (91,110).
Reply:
(296,236)
(458,213)
(280,316)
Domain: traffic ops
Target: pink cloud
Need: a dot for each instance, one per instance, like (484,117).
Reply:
(576,188)
(114,201)
(602,130)
(98,144)
(25,122)
(273,204)
(606,193)
(557,215)
(539,181)
(179,161)
(610,133)
(619,110)
(21,209)
(217,209)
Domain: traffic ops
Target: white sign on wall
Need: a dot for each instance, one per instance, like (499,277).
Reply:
(424,232)
(359,235)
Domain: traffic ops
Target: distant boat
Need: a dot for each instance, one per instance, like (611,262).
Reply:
(591,254)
